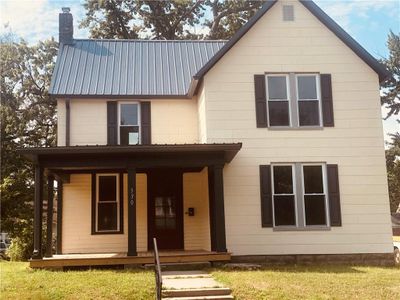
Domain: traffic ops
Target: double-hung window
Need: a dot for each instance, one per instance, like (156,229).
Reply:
(107,203)
(284,195)
(299,195)
(293,100)
(129,123)
(308,99)
(278,96)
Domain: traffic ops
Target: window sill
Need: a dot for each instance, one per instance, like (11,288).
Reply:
(278,128)
(308,228)
(107,232)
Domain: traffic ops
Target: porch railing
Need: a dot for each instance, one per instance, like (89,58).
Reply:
(157,269)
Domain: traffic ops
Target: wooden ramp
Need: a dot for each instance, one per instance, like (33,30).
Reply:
(109,259)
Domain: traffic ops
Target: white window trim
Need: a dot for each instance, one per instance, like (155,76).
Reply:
(294,194)
(287,94)
(325,189)
(318,86)
(138,118)
(117,201)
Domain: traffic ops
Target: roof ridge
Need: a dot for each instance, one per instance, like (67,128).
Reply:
(139,40)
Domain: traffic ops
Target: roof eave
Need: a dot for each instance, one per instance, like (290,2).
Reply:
(380,69)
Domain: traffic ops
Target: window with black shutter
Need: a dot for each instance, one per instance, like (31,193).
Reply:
(303,195)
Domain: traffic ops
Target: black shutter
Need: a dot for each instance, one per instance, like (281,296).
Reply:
(261,101)
(327,103)
(145,116)
(334,195)
(266,196)
(112,123)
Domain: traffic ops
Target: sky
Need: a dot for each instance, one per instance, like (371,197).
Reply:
(368,21)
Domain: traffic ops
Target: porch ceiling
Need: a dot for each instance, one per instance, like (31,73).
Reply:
(142,156)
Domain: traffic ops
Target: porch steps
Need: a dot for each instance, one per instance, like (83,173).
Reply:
(180,266)
(193,285)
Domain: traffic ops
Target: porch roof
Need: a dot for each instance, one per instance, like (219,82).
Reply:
(156,155)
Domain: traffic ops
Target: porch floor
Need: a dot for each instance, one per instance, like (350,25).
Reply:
(104,259)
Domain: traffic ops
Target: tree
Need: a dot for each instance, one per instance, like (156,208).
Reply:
(168,20)
(393,171)
(391,87)
(391,100)
(28,118)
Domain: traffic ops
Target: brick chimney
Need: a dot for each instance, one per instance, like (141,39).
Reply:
(66,28)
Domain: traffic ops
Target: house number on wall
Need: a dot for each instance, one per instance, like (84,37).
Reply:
(132,197)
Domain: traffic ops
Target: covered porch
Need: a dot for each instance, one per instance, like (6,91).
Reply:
(164,169)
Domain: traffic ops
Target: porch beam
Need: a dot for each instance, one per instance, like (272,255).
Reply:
(38,213)
(50,200)
(132,247)
(217,209)
(59,215)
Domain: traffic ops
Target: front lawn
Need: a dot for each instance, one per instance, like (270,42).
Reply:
(314,282)
(18,281)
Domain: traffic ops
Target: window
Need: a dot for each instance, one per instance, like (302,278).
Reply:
(165,213)
(314,195)
(107,203)
(299,195)
(284,196)
(301,111)
(129,128)
(278,100)
(308,100)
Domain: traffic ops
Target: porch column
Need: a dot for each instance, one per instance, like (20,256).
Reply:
(132,248)
(217,211)
(50,198)
(59,215)
(38,213)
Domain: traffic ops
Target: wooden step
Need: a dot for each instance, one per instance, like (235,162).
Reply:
(202,292)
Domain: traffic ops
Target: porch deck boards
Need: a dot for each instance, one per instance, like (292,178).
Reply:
(104,259)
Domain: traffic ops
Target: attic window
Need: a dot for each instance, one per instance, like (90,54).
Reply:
(288,13)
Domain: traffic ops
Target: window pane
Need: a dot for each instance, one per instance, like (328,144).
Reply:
(278,113)
(307,87)
(309,113)
(313,183)
(315,209)
(129,135)
(129,114)
(107,188)
(277,87)
(107,216)
(283,181)
(284,210)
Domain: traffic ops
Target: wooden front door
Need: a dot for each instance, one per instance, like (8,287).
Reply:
(165,208)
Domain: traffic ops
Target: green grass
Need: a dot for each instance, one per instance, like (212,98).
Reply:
(18,281)
(313,282)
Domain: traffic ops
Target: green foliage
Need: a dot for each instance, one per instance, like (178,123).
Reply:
(170,20)
(391,87)
(393,172)
(28,118)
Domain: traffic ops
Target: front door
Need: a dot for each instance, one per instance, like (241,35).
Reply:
(165,210)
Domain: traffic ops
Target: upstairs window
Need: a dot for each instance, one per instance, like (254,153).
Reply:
(278,100)
(308,100)
(129,123)
(293,100)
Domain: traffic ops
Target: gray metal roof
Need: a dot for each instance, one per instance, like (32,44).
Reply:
(129,67)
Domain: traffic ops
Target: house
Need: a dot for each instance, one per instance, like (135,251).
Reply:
(265,147)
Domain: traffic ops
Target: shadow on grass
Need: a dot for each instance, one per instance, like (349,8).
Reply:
(318,269)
